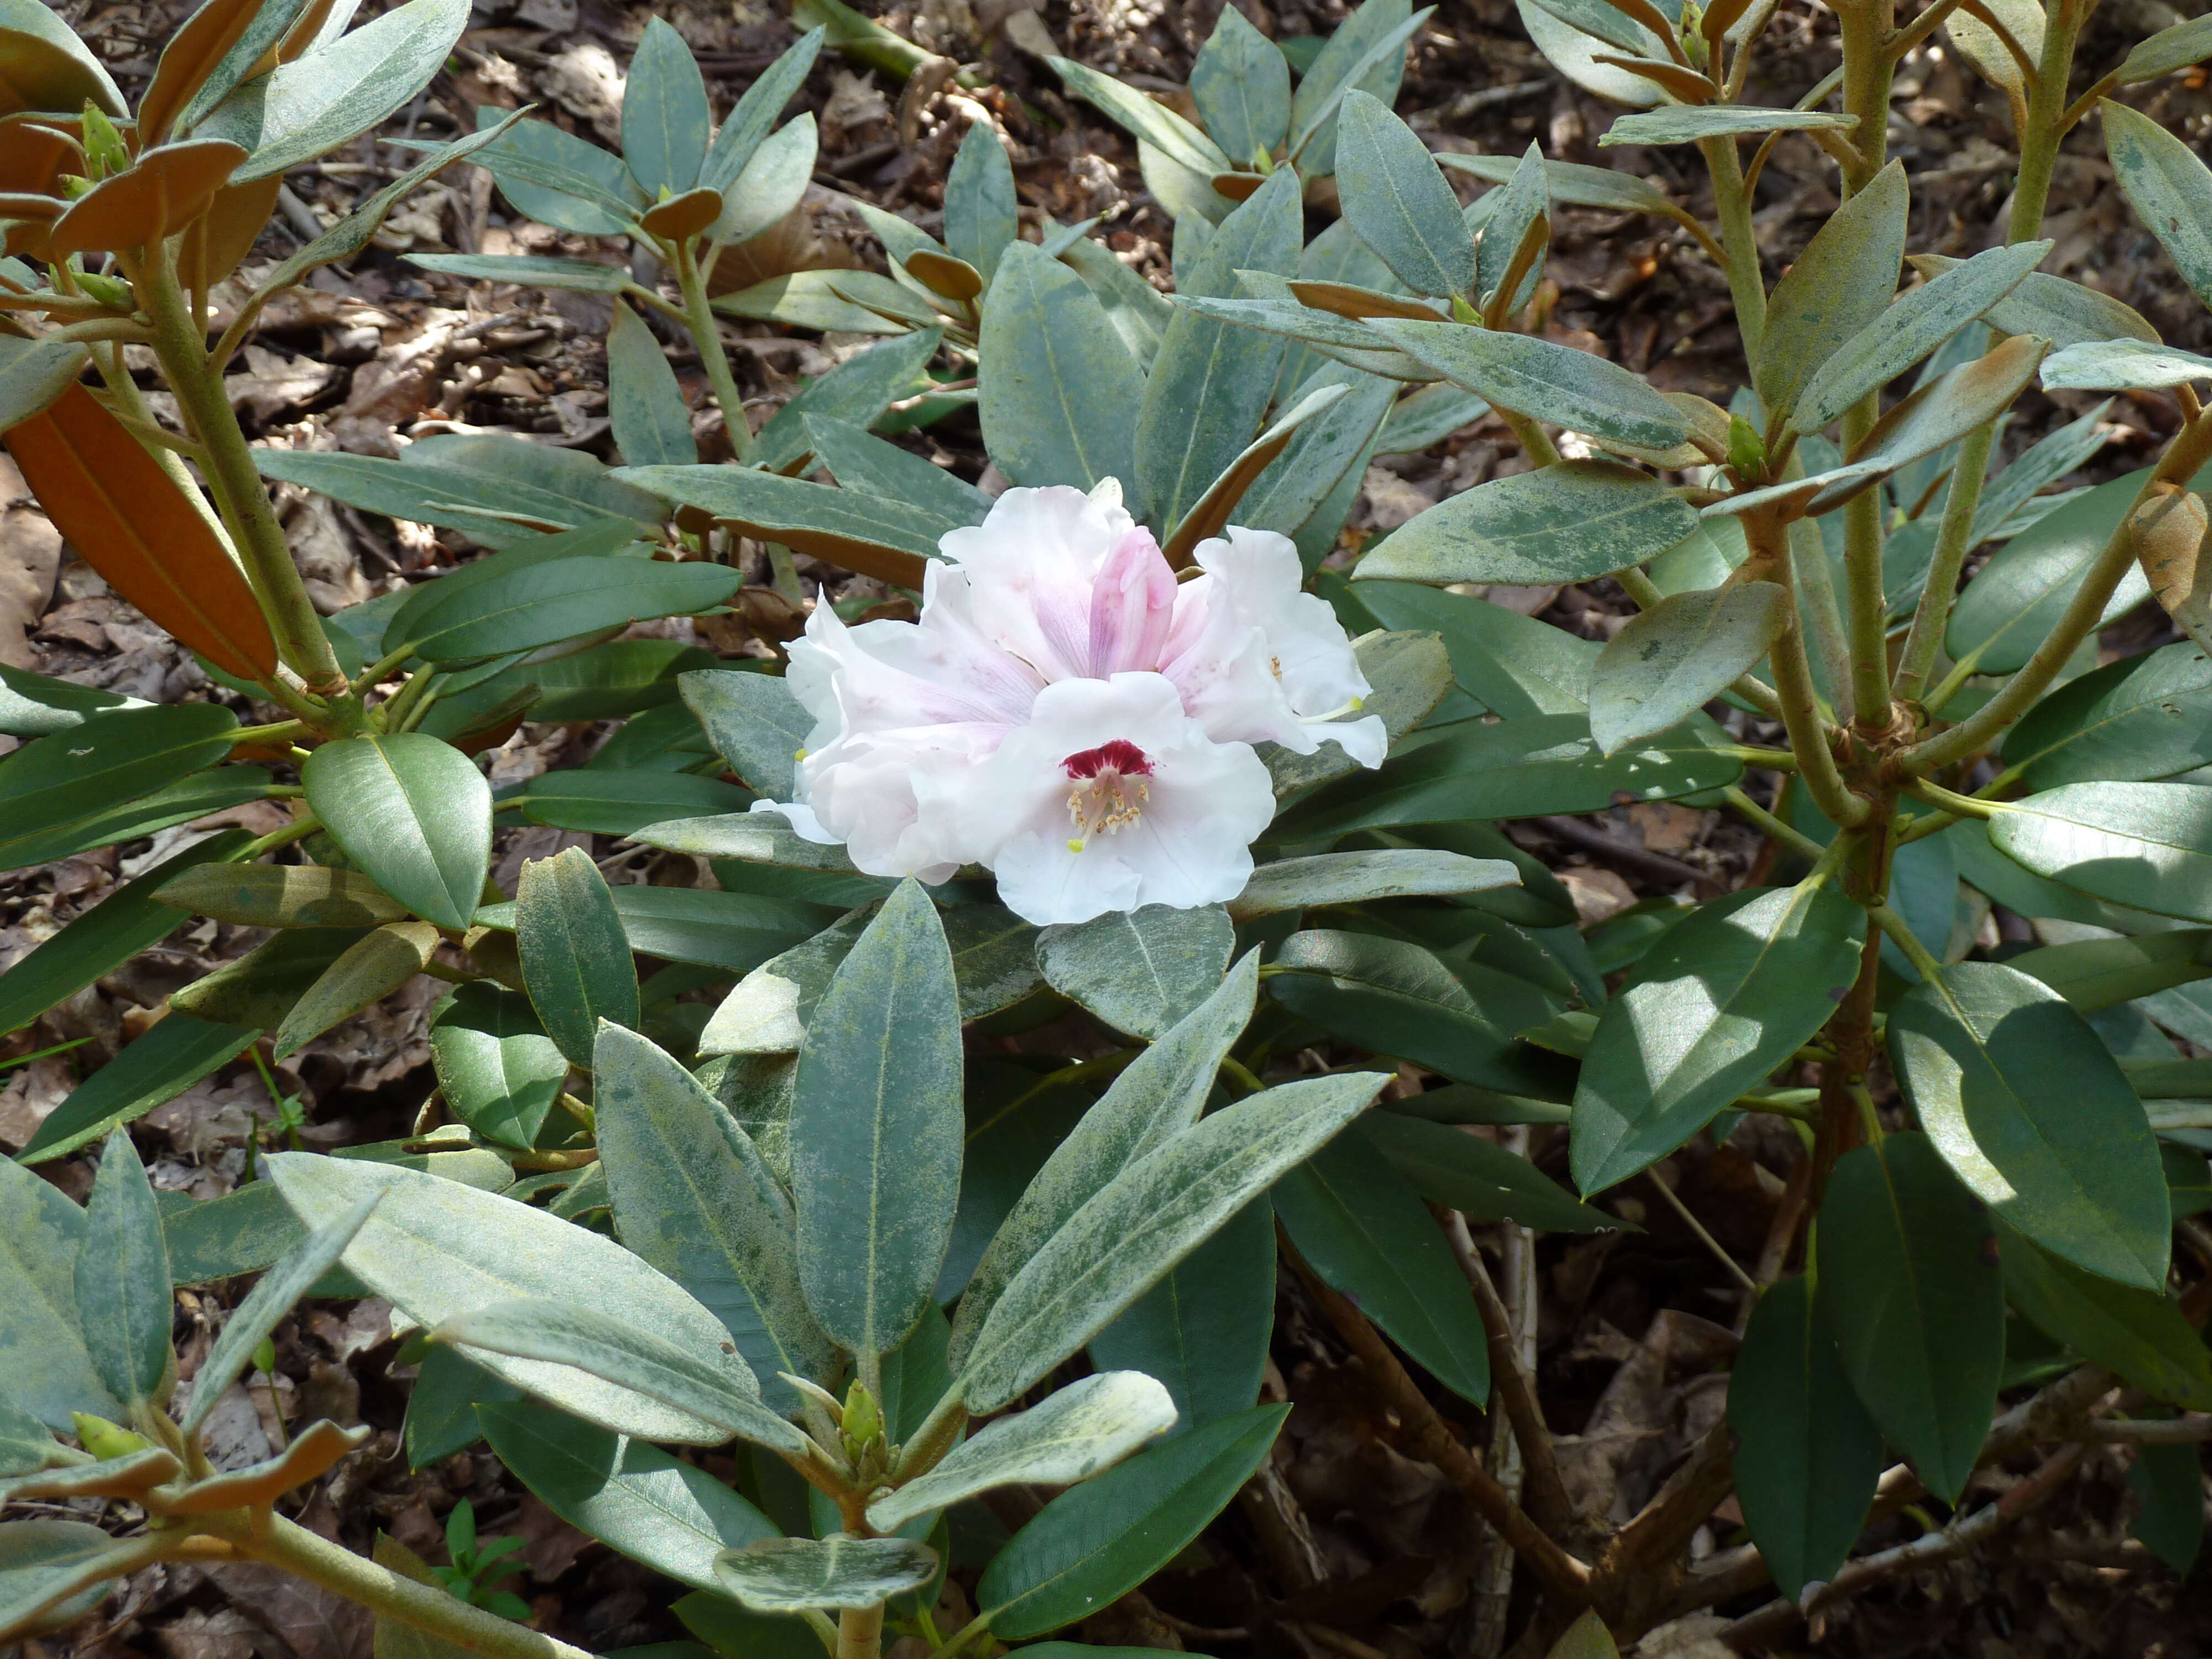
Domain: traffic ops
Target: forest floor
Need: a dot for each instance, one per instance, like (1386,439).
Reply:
(1348,1545)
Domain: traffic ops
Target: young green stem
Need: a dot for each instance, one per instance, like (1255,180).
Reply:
(1529,433)
(860,1632)
(707,336)
(1732,203)
(1793,686)
(182,349)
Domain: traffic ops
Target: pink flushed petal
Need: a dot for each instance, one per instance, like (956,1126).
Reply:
(885,674)
(1030,565)
(1133,603)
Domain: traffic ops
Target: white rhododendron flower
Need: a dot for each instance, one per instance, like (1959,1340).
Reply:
(1070,716)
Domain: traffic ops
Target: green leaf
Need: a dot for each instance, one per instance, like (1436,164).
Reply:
(2168,186)
(1517,769)
(1140,971)
(1558,524)
(857,390)
(2034,1116)
(2138,1334)
(1395,997)
(1576,185)
(1845,280)
(1366,50)
(1298,493)
(1152,1214)
(259,989)
(412,812)
(561,599)
(709,1383)
(560,180)
(806,299)
(493,488)
(2145,844)
(195,796)
(981,216)
(56,785)
(2170,49)
(404,623)
(1242,86)
(633,1496)
(619,803)
(1717,1003)
(754,114)
(2168,1483)
(1398,202)
(436,1249)
(1362,1228)
(42,1350)
(791,1575)
(876,1129)
(1348,341)
(876,535)
(310,107)
(859,460)
(1157,1097)
(1210,387)
(1807,1454)
(2139,719)
(755,723)
(1071,1436)
(651,422)
(271,1300)
(123,1279)
(370,969)
(1687,124)
(1921,320)
(774,182)
(44,1565)
(575,956)
(736,932)
(2121,365)
(1097,1541)
(535,270)
(1511,215)
(693,1198)
(38,705)
(1358,877)
(2096,972)
(1671,660)
(1575,55)
(663,114)
(277,895)
(98,940)
(1142,118)
(1910,1288)
(1473,1175)
(32,374)
(1945,409)
(499,1071)
(1574,389)
(1203,1329)
(1512,664)
(83,75)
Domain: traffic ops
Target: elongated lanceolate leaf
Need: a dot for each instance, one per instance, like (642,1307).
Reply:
(1558,524)
(575,956)
(1687,124)
(1845,279)
(411,811)
(1358,877)
(123,1278)
(2168,186)
(791,1575)
(2138,1334)
(1556,383)
(1142,971)
(120,755)
(1668,663)
(1398,201)
(1059,393)
(2121,365)
(2145,844)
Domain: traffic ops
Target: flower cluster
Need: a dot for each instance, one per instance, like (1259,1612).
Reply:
(1069,716)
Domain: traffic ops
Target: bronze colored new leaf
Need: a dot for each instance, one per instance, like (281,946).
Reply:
(2169,533)
(168,189)
(682,217)
(129,521)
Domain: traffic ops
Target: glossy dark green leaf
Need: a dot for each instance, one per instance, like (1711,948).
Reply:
(38,705)
(1139,970)
(2168,186)
(1058,393)
(280,896)
(156,1068)
(2036,1118)
(412,812)
(2168,1482)
(1845,279)
(1512,664)
(1557,382)
(1203,1329)
(1210,387)
(407,619)
(1357,878)
(1807,1454)
(736,932)
(635,1497)
(2096,972)
(1361,1227)
(693,1198)
(575,956)
(98,940)
(2145,844)
(499,1071)
(2138,1334)
(197,796)
(1242,86)
(436,1248)
(876,535)
(1718,1002)
(1395,997)
(651,422)
(2139,719)
(42,1348)
(1397,200)
(1477,1177)
(123,1278)
(563,598)
(1517,769)
(369,969)
(1910,1291)
(1558,524)
(1668,663)
(663,114)
(442,1406)
(309,107)
(618,803)
(57,784)
(876,1128)
(1098,1541)
(738,1632)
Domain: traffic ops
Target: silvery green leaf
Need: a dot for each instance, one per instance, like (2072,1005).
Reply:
(2121,365)
(2169,187)
(755,723)
(1577,390)
(1069,1436)
(123,1277)
(1143,118)
(794,1575)
(1667,664)
(1361,877)
(2168,50)
(436,1249)
(1845,278)
(711,1382)
(1556,524)
(1397,200)
(1687,124)
(1139,970)
(2065,313)
(1157,1097)
(1148,1217)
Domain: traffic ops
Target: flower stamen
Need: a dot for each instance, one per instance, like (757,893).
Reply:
(1110,793)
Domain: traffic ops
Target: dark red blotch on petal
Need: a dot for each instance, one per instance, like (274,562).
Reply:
(1115,755)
